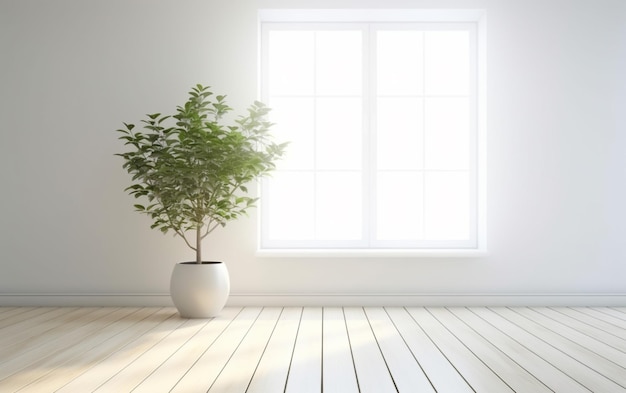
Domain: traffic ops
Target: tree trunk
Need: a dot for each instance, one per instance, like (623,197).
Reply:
(198,244)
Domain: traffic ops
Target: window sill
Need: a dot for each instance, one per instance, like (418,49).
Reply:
(371,253)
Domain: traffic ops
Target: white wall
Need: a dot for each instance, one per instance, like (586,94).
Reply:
(72,70)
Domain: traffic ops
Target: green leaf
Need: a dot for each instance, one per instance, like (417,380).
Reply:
(193,172)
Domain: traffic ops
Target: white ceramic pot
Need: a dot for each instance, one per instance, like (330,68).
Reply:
(199,290)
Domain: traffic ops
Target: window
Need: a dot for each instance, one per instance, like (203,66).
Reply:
(383,119)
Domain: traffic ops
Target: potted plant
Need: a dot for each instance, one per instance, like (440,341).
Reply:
(191,173)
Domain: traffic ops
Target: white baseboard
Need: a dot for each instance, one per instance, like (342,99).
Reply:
(321,299)
(428,299)
(85,299)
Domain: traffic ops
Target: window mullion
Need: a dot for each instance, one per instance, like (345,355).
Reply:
(424,114)
(369,134)
(315,136)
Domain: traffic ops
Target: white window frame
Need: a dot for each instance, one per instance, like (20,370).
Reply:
(471,20)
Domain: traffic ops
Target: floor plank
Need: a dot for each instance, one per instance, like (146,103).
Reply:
(160,326)
(606,319)
(584,374)
(32,333)
(607,352)
(10,315)
(69,347)
(26,359)
(25,326)
(407,374)
(206,369)
(305,372)
(236,374)
(583,327)
(273,368)
(442,375)
(477,374)
(593,361)
(338,374)
(108,340)
(616,312)
(314,350)
(579,315)
(141,368)
(555,379)
(494,357)
(371,368)
(168,373)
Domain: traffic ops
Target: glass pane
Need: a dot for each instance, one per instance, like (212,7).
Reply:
(291,62)
(447,62)
(399,204)
(447,131)
(293,120)
(447,206)
(399,133)
(339,206)
(339,62)
(339,133)
(290,196)
(399,61)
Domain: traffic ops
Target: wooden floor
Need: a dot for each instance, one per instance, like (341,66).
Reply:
(301,350)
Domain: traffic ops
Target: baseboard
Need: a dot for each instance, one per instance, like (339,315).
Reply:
(428,299)
(321,299)
(85,299)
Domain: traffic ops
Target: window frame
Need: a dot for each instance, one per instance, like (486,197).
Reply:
(369,20)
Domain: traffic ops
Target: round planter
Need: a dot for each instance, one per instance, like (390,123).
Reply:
(199,290)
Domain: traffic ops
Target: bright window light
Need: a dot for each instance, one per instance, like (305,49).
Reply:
(386,138)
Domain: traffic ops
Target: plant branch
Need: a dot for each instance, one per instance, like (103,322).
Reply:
(192,170)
